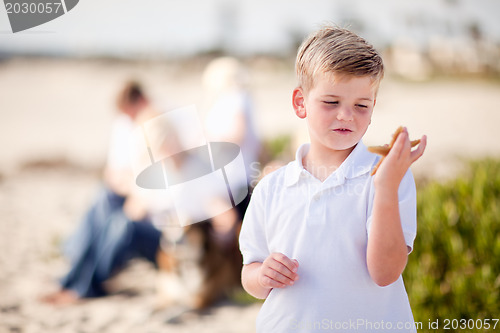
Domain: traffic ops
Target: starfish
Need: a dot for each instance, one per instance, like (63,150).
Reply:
(384,150)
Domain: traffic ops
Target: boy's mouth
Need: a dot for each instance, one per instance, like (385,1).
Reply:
(342,130)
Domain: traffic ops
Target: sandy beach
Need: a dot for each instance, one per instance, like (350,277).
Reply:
(55,116)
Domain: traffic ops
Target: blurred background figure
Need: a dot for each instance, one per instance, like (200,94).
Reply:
(230,115)
(199,261)
(114,229)
(203,264)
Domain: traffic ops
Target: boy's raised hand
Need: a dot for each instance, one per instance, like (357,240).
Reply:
(278,271)
(398,160)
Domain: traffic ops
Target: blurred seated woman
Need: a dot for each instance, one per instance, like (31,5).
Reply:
(111,232)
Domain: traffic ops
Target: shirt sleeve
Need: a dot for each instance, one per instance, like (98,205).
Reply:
(253,239)
(407,196)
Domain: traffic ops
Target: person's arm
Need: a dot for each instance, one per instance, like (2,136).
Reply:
(387,252)
(118,180)
(277,271)
(238,128)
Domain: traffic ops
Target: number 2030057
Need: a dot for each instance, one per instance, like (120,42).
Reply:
(462,324)
(25,8)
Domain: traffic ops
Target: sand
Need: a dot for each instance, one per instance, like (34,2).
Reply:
(54,121)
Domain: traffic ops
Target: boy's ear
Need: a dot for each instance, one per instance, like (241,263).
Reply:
(298,103)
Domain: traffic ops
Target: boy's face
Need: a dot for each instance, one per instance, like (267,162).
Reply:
(338,110)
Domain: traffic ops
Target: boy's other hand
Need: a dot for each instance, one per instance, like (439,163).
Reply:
(400,158)
(278,271)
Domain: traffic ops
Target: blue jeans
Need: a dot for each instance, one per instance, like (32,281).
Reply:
(105,240)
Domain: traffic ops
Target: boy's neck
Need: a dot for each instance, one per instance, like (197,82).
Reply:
(321,163)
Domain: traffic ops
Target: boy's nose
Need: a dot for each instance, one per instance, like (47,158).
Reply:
(345,113)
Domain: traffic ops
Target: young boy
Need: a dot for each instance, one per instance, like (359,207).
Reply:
(322,241)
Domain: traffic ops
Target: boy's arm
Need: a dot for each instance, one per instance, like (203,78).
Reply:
(387,252)
(277,271)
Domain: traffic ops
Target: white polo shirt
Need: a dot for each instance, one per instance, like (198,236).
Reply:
(324,225)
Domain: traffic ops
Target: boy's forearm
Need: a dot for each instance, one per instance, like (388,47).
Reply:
(250,281)
(387,252)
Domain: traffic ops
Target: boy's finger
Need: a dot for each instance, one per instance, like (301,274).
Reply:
(278,277)
(417,153)
(270,283)
(284,260)
(400,144)
(283,270)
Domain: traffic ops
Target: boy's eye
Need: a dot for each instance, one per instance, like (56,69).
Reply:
(331,102)
(361,106)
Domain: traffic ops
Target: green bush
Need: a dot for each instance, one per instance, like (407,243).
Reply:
(278,147)
(454,270)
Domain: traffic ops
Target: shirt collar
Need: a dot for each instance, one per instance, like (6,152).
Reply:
(359,162)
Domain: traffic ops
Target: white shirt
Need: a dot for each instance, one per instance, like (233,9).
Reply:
(119,149)
(220,125)
(324,225)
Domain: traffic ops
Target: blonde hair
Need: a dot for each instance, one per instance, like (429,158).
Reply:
(223,74)
(333,50)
